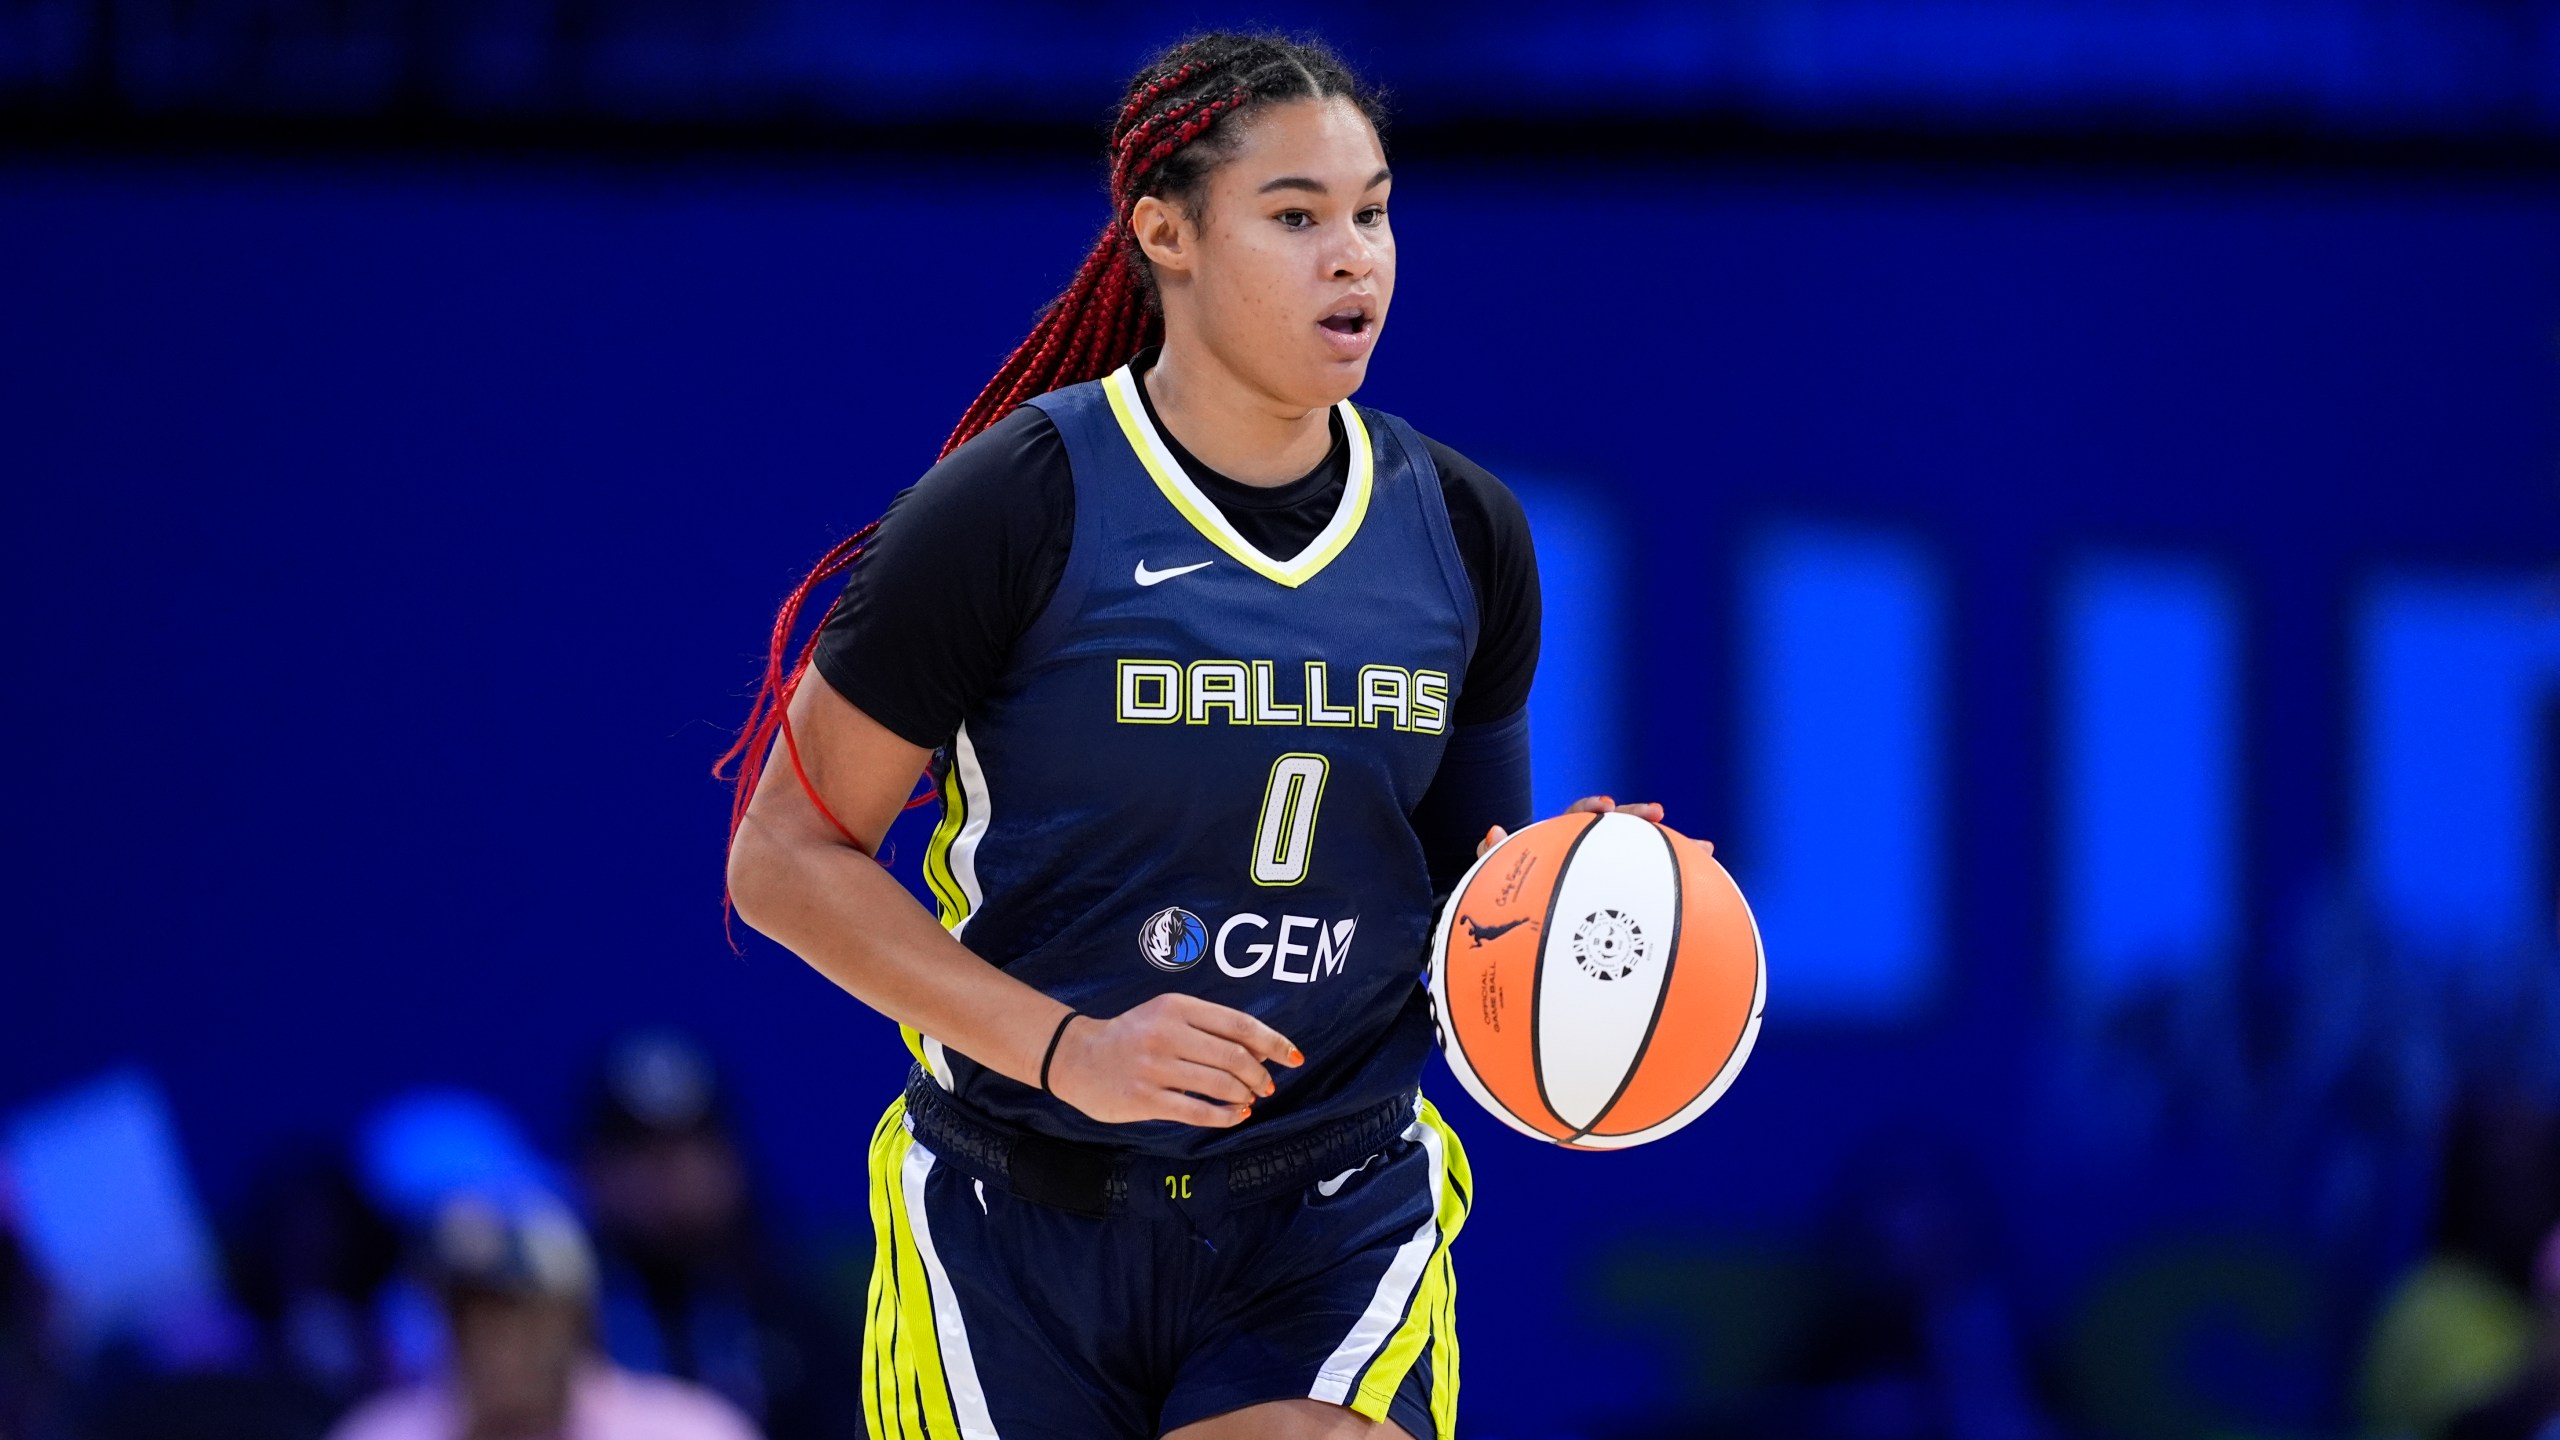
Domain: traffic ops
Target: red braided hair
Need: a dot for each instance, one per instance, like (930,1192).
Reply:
(1107,313)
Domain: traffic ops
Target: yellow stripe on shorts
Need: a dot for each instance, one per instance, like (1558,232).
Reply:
(1444,1355)
(907,1396)
(1432,1316)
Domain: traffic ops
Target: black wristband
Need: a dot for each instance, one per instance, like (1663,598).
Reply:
(1052,1052)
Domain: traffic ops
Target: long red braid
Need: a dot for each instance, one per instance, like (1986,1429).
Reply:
(1106,314)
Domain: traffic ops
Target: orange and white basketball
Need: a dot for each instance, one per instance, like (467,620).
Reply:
(1597,980)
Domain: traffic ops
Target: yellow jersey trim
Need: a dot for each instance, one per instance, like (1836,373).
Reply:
(1121,386)
(1431,1319)
(938,876)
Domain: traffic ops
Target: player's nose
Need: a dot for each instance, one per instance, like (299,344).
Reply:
(1353,257)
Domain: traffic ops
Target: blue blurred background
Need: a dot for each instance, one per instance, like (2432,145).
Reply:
(2065,493)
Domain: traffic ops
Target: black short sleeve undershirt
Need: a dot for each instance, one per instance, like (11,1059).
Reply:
(967,557)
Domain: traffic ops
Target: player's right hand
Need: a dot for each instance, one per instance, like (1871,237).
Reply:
(1176,1057)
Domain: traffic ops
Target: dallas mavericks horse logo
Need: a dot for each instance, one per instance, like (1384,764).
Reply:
(1173,939)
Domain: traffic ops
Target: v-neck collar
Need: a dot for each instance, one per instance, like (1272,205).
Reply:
(1121,386)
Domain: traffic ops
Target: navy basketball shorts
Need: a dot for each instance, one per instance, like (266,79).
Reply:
(996,1316)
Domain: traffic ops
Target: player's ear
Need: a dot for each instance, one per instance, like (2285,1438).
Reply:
(1163,232)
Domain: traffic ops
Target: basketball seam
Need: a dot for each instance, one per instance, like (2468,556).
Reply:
(1463,1063)
(1447,932)
(1661,997)
(1538,991)
(1733,1064)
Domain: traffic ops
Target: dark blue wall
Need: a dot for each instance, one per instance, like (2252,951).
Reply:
(387,547)
(2443,69)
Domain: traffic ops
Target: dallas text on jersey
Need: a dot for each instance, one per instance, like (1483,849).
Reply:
(1243,692)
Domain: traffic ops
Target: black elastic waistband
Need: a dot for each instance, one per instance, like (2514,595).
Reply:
(1101,1180)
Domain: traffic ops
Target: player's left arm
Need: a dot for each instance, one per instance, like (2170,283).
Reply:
(1484,777)
(1592,805)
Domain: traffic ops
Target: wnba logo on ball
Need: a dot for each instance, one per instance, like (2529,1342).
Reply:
(1173,939)
(1608,944)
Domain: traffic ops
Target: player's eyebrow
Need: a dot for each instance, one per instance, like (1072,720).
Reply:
(1317,187)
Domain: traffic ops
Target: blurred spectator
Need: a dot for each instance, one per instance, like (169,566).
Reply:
(153,1345)
(2457,1328)
(2530,1408)
(1919,1340)
(309,1262)
(414,1154)
(30,1376)
(517,1285)
(306,1262)
(689,1288)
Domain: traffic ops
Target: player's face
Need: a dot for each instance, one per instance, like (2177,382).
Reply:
(1296,262)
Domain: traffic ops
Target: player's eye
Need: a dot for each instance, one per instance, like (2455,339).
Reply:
(1296,219)
(1373,215)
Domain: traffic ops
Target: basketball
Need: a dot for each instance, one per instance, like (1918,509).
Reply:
(1597,981)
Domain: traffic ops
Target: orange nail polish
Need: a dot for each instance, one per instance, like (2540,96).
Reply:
(1295,1057)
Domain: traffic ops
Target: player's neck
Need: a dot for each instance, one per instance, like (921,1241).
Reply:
(1230,426)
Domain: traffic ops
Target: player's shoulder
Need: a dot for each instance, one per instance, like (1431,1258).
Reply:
(1022,451)
(999,493)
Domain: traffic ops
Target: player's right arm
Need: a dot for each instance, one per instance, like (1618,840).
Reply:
(926,624)
(797,879)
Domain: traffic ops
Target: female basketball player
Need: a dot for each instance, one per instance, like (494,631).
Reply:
(1221,677)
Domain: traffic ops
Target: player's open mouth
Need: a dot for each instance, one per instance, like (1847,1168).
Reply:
(1352,327)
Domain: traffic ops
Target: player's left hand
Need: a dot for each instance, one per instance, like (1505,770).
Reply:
(1589,805)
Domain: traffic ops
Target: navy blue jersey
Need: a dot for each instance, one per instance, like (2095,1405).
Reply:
(1198,770)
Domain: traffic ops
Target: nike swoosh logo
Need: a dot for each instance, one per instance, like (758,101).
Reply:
(1158,577)
(1332,1187)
